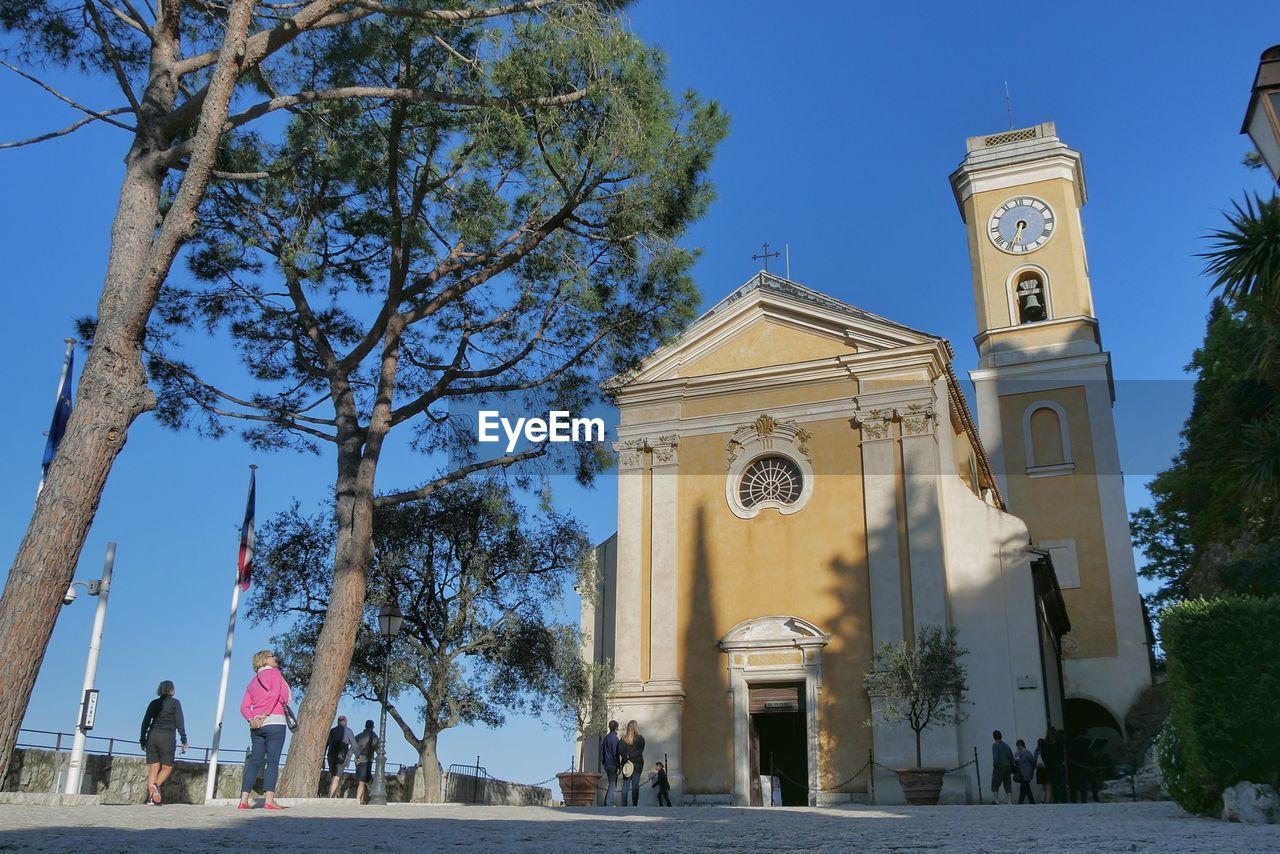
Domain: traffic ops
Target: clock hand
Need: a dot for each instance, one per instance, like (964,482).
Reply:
(1017,235)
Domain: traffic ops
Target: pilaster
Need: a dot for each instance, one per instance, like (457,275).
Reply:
(631,474)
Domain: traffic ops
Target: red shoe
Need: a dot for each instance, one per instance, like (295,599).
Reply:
(155,794)
(244,806)
(270,806)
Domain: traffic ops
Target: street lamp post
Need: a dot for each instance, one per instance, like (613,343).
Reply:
(1262,119)
(89,695)
(389,621)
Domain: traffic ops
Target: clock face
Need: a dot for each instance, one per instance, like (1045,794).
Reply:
(1021,225)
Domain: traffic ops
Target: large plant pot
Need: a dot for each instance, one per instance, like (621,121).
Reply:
(921,786)
(578,787)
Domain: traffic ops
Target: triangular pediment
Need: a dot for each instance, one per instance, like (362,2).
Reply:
(772,321)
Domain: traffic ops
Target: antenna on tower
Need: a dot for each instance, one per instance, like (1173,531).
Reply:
(1008,102)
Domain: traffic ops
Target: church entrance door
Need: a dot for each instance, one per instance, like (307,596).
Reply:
(780,744)
(775,677)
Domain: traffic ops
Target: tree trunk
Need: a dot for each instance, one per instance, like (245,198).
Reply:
(112,393)
(337,640)
(113,386)
(359,449)
(428,788)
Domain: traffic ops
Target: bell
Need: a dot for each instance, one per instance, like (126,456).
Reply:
(1032,309)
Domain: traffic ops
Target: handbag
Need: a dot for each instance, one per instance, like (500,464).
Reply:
(628,769)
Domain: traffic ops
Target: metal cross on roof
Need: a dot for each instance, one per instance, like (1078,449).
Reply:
(765,257)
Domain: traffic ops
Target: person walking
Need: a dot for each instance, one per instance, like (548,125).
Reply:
(1001,769)
(1024,765)
(1043,777)
(263,707)
(662,784)
(161,725)
(1080,770)
(342,743)
(609,758)
(366,749)
(1056,763)
(631,755)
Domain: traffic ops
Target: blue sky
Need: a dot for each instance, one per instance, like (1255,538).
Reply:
(847,119)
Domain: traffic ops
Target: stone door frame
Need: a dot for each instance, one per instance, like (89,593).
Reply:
(771,650)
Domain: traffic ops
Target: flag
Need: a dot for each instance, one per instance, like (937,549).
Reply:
(245,564)
(61,412)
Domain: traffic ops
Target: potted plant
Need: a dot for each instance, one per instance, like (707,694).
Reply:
(583,693)
(921,685)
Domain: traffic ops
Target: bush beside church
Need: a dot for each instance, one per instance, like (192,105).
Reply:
(1224,688)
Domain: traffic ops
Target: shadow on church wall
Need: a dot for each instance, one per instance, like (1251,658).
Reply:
(708,709)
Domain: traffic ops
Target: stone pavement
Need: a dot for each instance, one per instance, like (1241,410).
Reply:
(345,826)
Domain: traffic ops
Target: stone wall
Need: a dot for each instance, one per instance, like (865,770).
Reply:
(466,789)
(123,780)
(118,779)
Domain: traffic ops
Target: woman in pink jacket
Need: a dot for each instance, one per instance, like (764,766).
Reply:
(263,707)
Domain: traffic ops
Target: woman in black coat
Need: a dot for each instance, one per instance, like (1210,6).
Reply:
(631,749)
(160,727)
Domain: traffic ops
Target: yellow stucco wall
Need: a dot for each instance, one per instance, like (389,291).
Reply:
(1066,507)
(811,564)
(762,343)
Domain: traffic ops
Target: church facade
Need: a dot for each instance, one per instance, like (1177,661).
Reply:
(801,481)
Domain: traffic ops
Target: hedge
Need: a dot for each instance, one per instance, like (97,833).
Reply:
(1224,683)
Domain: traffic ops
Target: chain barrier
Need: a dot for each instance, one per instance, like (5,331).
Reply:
(856,774)
(531,785)
(947,771)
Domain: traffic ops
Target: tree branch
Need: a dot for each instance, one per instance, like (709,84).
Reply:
(121,78)
(453,15)
(396,498)
(63,98)
(413,96)
(66,130)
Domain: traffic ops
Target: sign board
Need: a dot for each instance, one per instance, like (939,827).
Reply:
(781,704)
(88,708)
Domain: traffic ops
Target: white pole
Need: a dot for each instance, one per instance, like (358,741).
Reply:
(222,692)
(788,246)
(211,783)
(76,768)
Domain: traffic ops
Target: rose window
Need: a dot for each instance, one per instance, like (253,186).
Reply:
(775,479)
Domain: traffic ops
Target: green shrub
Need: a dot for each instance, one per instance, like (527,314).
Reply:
(1189,786)
(1224,685)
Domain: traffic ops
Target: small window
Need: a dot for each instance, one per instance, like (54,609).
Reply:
(1046,439)
(1030,292)
(775,479)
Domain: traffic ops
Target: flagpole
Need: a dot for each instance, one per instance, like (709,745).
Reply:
(62,379)
(211,783)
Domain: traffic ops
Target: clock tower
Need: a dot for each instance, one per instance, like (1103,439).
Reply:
(1044,395)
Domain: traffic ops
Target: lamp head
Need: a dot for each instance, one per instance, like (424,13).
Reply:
(69,596)
(390,620)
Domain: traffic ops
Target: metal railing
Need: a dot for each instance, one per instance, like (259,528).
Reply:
(110,746)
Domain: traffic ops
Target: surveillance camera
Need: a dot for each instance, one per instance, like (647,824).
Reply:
(69,596)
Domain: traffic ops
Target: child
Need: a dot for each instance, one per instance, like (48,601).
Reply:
(660,783)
